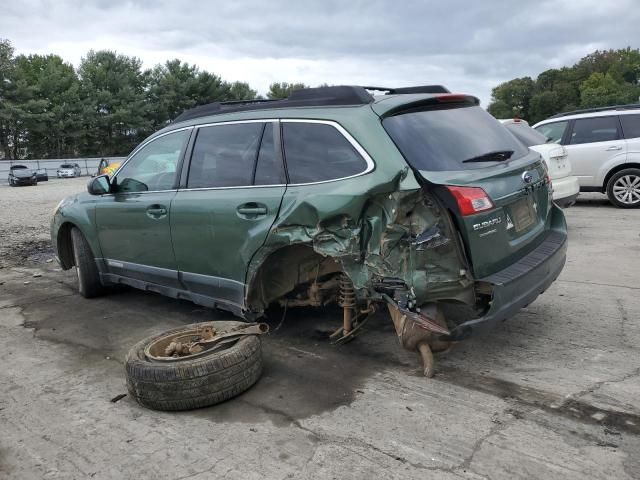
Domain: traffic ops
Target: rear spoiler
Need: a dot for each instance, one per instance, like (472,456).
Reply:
(442,100)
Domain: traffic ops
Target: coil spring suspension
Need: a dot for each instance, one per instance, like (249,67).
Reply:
(347,300)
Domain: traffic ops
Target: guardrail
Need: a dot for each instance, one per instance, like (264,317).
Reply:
(88,166)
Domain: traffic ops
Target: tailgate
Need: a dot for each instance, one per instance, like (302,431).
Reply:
(518,222)
(496,189)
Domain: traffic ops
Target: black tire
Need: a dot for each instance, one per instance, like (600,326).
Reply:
(616,188)
(89,284)
(193,383)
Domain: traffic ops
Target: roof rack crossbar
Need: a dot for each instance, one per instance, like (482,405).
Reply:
(631,106)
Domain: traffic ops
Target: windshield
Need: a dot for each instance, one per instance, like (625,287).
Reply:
(442,139)
(18,167)
(526,134)
(66,165)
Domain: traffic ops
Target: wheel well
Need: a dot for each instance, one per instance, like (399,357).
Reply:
(283,270)
(65,246)
(615,170)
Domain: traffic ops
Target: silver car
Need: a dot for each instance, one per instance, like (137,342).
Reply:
(69,170)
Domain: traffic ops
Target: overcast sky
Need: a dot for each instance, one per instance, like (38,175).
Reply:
(467,45)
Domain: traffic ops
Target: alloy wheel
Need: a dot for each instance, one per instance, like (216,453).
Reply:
(627,189)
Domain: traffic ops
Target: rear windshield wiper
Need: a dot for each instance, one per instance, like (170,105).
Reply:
(497,156)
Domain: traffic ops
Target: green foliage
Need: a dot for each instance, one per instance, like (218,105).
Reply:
(283,89)
(105,107)
(602,78)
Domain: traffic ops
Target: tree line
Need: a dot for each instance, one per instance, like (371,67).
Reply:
(600,79)
(105,107)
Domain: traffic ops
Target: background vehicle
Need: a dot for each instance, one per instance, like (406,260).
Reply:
(69,170)
(21,175)
(565,186)
(374,192)
(603,146)
(107,167)
(42,175)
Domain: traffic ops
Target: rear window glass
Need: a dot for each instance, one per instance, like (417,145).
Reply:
(596,129)
(66,165)
(553,131)
(225,155)
(317,152)
(630,125)
(527,135)
(440,140)
(269,170)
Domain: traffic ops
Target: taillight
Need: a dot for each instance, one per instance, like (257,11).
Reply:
(471,200)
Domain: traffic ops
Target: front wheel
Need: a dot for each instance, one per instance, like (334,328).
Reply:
(623,188)
(89,284)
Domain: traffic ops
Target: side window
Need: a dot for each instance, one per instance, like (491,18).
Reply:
(154,166)
(269,170)
(596,129)
(225,155)
(553,131)
(630,125)
(315,152)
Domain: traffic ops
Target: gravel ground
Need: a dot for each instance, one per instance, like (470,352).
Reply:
(552,394)
(25,213)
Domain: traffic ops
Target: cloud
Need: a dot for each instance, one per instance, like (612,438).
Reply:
(467,45)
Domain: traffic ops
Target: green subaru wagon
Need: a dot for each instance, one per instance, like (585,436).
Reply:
(415,199)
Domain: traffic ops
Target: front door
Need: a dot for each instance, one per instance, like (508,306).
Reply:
(232,197)
(133,220)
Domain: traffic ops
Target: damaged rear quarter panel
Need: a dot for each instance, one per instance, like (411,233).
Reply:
(380,225)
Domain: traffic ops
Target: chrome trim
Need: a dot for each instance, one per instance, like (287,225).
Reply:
(138,193)
(212,277)
(166,271)
(228,188)
(232,122)
(363,153)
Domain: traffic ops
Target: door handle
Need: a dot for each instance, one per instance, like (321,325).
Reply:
(252,209)
(156,211)
(615,147)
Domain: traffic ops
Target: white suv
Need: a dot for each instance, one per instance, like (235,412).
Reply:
(603,146)
(565,186)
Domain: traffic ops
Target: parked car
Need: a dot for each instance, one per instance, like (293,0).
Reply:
(21,175)
(411,199)
(69,170)
(565,186)
(42,175)
(603,146)
(108,166)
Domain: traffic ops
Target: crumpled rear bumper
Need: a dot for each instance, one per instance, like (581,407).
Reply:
(518,285)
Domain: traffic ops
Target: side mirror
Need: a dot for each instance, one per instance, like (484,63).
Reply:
(99,185)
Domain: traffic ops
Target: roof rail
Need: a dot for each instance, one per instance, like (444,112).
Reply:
(630,106)
(306,97)
(341,95)
(417,89)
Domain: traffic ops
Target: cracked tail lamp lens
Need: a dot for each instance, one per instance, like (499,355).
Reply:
(471,200)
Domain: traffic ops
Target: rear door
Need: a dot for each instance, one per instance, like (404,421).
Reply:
(593,144)
(231,197)
(494,186)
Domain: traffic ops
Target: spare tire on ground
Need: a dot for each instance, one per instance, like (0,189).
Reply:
(196,380)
